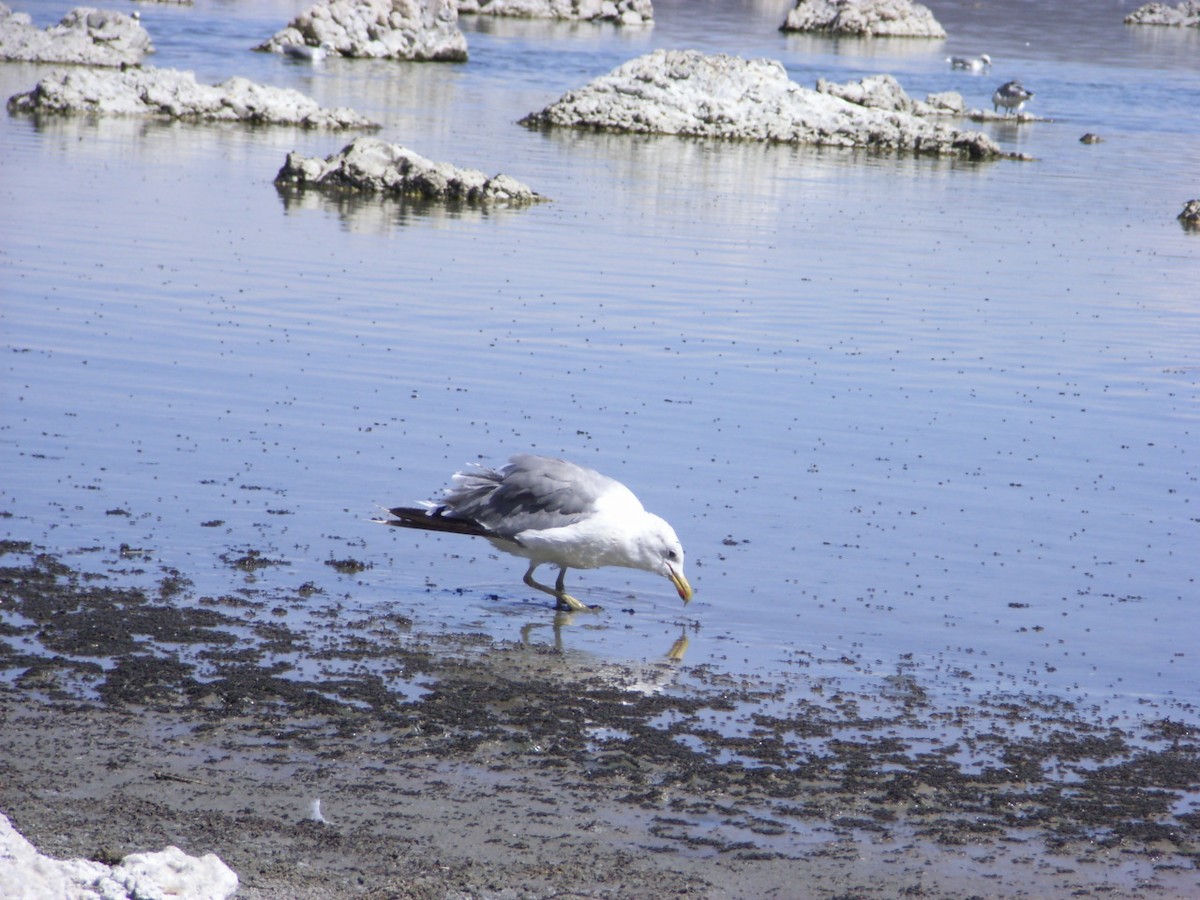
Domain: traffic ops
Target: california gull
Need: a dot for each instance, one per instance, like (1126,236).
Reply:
(970,63)
(1011,95)
(552,511)
(307,52)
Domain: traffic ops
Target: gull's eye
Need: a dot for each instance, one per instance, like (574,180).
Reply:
(671,555)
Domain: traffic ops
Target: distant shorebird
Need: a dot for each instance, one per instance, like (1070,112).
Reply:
(970,63)
(1011,96)
(306,52)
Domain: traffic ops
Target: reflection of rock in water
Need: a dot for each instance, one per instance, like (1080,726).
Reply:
(381,215)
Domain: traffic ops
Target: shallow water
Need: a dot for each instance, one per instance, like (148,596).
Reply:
(904,413)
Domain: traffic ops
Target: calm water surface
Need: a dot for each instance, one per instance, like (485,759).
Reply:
(904,413)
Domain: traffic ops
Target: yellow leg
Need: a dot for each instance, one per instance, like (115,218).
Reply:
(558,592)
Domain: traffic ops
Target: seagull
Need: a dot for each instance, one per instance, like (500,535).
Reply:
(970,63)
(307,52)
(1011,96)
(553,511)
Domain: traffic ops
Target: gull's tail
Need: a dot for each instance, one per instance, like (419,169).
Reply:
(437,518)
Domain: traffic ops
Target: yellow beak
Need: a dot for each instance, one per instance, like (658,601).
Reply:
(681,584)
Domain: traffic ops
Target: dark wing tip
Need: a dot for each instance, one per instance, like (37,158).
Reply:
(436,519)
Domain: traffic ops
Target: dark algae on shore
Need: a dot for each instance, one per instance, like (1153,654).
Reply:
(456,762)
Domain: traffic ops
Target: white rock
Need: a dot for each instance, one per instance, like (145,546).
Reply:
(25,874)
(421,30)
(171,873)
(621,12)
(173,94)
(946,103)
(876,91)
(864,18)
(884,92)
(1186,14)
(988,115)
(374,165)
(85,36)
(687,93)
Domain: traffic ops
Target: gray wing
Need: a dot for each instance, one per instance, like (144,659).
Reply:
(531,492)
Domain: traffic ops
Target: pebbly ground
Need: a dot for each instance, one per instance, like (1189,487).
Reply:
(453,765)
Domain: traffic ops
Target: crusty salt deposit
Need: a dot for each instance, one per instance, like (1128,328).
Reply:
(376,166)
(85,36)
(885,93)
(619,12)
(419,30)
(28,875)
(1186,14)
(172,94)
(686,92)
(864,18)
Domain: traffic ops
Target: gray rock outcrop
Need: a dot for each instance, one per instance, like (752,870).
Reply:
(173,94)
(864,18)
(372,165)
(688,93)
(85,36)
(1186,14)
(619,12)
(418,30)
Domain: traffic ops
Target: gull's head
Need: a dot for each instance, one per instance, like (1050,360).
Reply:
(658,550)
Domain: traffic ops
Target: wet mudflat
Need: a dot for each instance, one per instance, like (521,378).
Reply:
(369,758)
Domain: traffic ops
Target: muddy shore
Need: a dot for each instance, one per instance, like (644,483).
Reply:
(454,765)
